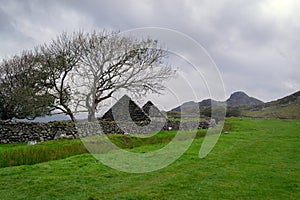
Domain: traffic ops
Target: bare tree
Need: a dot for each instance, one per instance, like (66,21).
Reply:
(23,90)
(111,62)
(81,70)
(60,57)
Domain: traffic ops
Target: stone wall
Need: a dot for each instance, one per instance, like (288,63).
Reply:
(155,125)
(12,131)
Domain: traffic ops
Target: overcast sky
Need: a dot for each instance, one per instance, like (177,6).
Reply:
(255,44)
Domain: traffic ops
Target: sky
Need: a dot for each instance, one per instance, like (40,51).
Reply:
(255,44)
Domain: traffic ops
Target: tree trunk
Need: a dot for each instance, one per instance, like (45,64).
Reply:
(91,115)
(73,119)
(70,113)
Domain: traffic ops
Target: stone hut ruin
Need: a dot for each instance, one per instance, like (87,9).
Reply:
(152,111)
(126,110)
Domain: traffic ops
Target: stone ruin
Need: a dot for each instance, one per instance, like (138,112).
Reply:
(152,111)
(126,110)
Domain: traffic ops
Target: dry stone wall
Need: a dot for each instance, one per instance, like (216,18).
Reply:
(12,131)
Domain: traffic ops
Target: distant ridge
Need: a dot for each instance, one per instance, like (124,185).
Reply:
(185,105)
(236,99)
(240,104)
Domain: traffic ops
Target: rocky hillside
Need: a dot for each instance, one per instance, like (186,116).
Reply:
(286,108)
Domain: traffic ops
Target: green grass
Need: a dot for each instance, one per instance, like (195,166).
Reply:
(22,154)
(258,159)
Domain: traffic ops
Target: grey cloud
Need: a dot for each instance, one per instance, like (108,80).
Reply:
(255,53)
(12,40)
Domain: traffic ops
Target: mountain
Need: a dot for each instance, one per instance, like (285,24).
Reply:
(235,99)
(205,103)
(286,108)
(242,99)
(240,104)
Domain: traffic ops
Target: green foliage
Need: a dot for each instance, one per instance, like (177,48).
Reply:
(23,91)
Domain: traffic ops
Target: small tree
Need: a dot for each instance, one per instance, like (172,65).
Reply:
(23,90)
(111,62)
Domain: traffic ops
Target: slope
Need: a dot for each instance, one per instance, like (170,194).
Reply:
(286,108)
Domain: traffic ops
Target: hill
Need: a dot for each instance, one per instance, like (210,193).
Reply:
(286,108)
(185,105)
(186,110)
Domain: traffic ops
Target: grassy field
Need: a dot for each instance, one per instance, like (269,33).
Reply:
(22,154)
(258,159)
